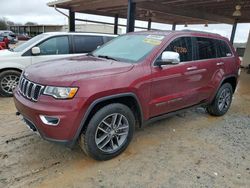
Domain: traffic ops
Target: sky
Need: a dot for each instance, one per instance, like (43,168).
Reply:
(22,11)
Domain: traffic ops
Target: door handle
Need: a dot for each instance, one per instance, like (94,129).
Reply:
(220,63)
(191,68)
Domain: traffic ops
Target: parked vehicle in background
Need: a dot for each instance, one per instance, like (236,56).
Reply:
(23,37)
(2,43)
(11,36)
(134,79)
(44,47)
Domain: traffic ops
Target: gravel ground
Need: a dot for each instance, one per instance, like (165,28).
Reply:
(191,149)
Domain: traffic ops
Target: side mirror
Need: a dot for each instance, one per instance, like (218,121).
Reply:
(168,57)
(35,51)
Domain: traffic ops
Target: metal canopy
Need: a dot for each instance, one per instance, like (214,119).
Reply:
(164,11)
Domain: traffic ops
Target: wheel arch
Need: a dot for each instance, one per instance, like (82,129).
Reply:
(128,99)
(11,68)
(232,79)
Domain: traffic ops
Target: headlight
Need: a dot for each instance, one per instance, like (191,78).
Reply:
(60,92)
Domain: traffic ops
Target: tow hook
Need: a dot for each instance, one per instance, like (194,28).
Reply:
(18,114)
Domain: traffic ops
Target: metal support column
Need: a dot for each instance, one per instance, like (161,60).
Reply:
(149,23)
(72,26)
(174,27)
(233,31)
(131,16)
(116,24)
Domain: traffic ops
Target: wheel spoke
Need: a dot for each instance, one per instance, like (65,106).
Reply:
(101,139)
(105,143)
(112,143)
(121,134)
(121,128)
(102,130)
(114,118)
(117,140)
(105,123)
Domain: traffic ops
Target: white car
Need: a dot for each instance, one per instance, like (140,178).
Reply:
(47,46)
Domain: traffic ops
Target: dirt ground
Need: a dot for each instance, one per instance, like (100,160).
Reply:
(192,149)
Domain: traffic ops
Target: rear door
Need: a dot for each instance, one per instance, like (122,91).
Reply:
(200,74)
(228,62)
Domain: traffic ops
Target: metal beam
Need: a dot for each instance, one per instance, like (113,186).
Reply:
(174,27)
(190,14)
(131,16)
(100,4)
(116,24)
(149,23)
(234,31)
(72,25)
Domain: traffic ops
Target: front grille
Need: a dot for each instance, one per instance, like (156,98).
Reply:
(30,90)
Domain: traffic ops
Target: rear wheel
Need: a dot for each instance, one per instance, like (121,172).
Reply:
(109,132)
(8,82)
(222,101)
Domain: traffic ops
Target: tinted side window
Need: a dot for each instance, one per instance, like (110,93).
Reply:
(86,44)
(206,48)
(183,46)
(54,46)
(225,51)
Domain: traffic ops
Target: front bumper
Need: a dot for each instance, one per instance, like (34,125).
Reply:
(70,113)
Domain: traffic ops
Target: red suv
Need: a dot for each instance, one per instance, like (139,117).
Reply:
(98,99)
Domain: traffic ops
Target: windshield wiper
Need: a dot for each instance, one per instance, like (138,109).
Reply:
(107,57)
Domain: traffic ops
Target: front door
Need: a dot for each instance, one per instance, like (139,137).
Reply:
(170,89)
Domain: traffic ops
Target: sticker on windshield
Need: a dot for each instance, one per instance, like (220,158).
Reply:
(154,39)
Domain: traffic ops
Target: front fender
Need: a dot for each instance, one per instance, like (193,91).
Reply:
(11,65)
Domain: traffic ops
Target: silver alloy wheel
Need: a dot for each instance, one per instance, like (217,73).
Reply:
(112,133)
(9,83)
(224,99)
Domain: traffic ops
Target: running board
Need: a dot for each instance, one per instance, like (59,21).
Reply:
(164,116)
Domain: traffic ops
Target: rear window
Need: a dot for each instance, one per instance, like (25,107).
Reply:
(205,48)
(223,49)
(86,44)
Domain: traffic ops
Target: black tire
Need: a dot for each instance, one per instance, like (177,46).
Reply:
(214,108)
(6,75)
(88,138)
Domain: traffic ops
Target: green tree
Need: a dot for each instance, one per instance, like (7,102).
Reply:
(3,24)
(30,23)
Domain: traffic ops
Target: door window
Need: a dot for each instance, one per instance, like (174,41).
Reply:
(86,44)
(224,50)
(183,46)
(206,48)
(55,46)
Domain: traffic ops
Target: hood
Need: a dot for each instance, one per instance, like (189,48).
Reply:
(63,72)
(8,54)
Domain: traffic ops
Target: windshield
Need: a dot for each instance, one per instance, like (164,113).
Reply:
(129,48)
(27,44)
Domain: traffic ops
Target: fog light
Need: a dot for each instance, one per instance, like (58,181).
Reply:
(48,120)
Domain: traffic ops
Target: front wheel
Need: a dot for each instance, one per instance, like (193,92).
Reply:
(222,101)
(109,132)
(8,82)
